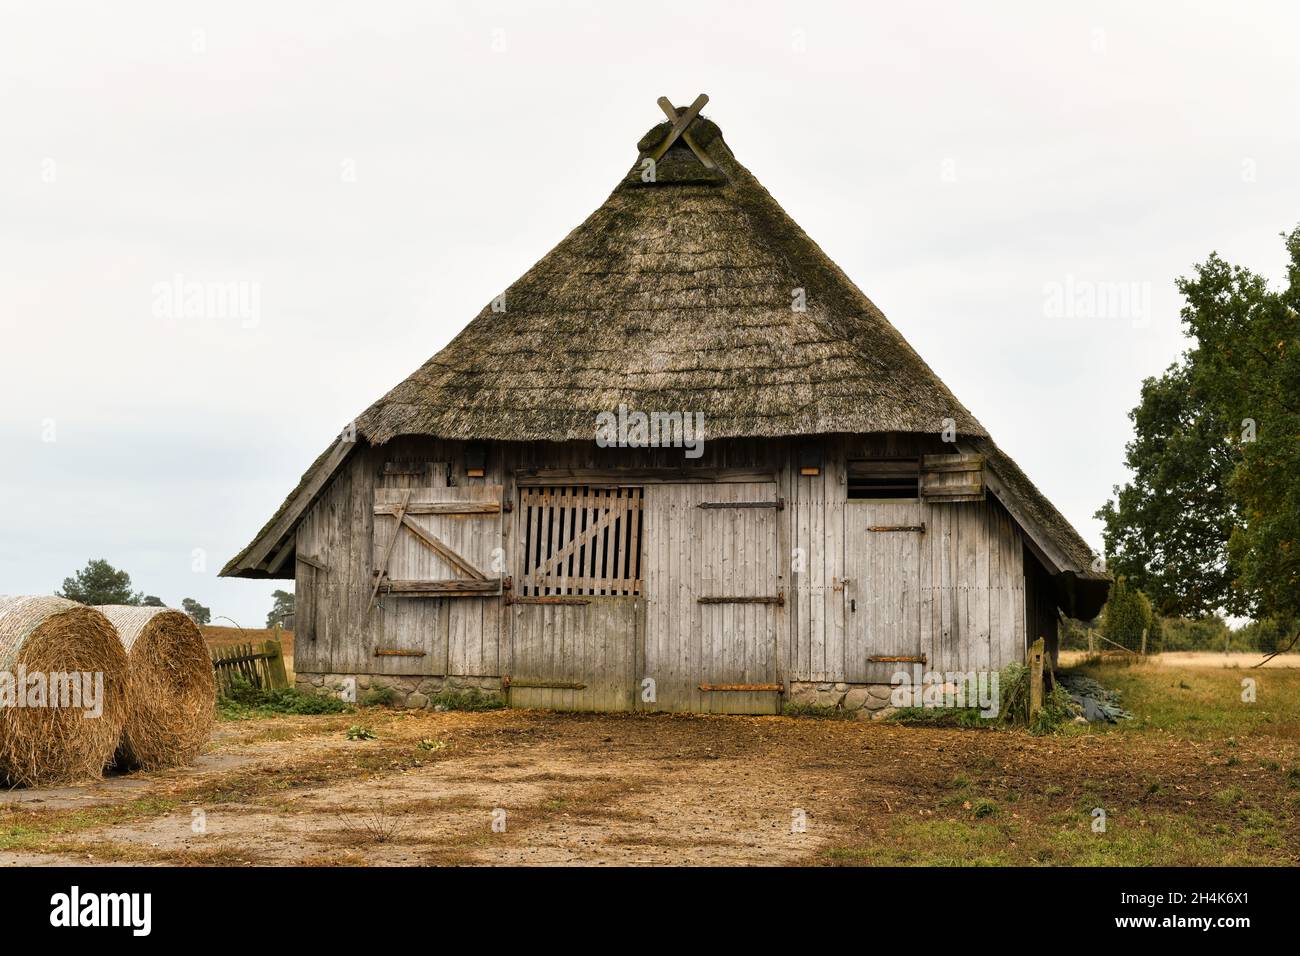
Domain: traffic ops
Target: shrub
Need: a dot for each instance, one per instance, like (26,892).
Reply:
(242,701)
(380,696)
(469,699)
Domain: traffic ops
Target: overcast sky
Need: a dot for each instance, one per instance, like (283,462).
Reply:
(368,175)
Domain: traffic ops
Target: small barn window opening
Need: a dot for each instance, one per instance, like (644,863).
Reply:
(581,540)
(885,478)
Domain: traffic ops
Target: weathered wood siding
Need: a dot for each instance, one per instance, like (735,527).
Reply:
(695,557)
(969,595)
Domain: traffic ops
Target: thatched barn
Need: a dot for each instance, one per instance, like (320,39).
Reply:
(683,463)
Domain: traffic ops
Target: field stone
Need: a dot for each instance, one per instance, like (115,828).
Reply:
(880,691)
(417,700)
(855,699)
(883,713)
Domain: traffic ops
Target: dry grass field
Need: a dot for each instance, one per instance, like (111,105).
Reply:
(1198,777)
(1236,659)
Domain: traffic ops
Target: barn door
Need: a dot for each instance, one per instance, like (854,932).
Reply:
(714,598)
(882,593)
(576,598)
(433,547)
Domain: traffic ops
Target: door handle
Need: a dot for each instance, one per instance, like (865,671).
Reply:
(853,605)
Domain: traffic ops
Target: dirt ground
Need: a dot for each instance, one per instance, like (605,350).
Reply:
(660,789)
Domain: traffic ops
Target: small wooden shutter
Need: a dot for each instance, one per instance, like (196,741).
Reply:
(438,542)
(952,478)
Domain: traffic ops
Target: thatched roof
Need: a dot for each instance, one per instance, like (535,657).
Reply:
(677,294)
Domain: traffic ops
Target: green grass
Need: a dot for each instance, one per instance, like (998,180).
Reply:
(245,702)
(471,699)
(1245,813)
(1067,839)
(1203,703)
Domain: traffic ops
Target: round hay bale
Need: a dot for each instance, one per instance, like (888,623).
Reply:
(172,693)
(57,658)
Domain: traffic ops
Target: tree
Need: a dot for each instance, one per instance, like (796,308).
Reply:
(1167,531)
(1211,519)
(99,583)
(283,607)
(152,600)
(1126,616)
(197,612)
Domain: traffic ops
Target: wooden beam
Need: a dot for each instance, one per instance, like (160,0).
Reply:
(742,599)
(388,550)
(442,508)
(312,562)
(448,587)
(682,120)
(670,111)
(548,599)
(778,504)
(313,485)
(440,548)
(635,477)
(742,688)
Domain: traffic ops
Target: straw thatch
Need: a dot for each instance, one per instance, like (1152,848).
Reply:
(172,689)
(41,639)
(676,295)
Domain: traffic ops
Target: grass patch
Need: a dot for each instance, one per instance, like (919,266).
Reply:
(471,699)
(810,711)
(243,701)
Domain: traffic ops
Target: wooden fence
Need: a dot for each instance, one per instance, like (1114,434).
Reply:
(260,665)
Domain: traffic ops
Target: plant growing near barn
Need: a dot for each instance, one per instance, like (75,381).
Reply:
(471,699)
(242,701)
(357,732)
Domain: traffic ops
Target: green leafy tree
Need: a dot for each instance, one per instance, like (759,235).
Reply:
(283,607)
(197,612)
(152,600)
(99,583)
(1211,519)
(1168,529)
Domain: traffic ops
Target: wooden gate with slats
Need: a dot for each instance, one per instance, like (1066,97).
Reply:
(576,600)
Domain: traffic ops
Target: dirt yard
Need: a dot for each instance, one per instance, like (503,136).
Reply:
(1197,778)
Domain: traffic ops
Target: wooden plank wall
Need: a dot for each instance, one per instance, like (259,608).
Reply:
(970,563)
(695,552)
(971,578)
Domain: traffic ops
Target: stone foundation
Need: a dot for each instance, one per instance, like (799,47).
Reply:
(870,701)
(408,692)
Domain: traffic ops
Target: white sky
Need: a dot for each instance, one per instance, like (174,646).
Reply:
(956,161)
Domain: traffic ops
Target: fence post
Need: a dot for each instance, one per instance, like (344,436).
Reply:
(1144,642)
(1036,654)
(275,665)
(1092,647)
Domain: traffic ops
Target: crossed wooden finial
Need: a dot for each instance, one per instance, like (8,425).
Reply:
(680,122)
